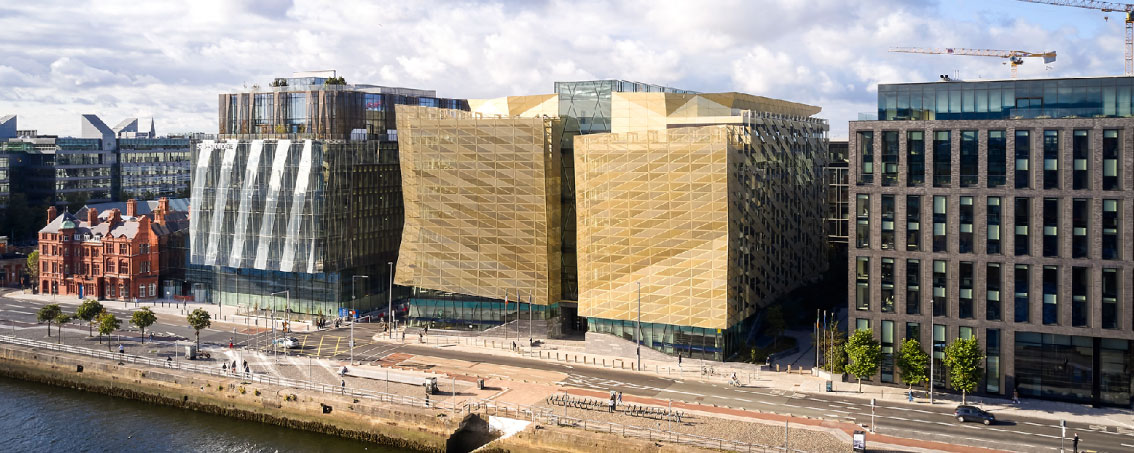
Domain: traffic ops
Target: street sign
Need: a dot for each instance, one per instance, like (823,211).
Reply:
(342,312)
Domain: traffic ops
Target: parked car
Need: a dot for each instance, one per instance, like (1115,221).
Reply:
(285,342)
(973,414)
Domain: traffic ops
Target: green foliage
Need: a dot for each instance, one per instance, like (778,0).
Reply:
(107,324)
(279,83)
(48,314)
(199,319)
(88,311)
(774,317)
(335,81)
(143,318)
(865,354)
(913,363)
(33,265)
(963,358)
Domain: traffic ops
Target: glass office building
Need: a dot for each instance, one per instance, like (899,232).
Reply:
(1026,188)
(150,168)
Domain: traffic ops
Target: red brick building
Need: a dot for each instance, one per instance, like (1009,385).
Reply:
(11,265)
(107,256)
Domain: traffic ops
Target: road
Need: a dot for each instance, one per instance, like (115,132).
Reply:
(902,420)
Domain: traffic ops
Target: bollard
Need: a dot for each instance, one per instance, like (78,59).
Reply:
(777,367)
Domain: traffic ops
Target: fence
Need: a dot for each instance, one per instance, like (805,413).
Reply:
(481,406)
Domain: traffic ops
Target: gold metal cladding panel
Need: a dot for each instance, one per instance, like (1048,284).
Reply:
(481,204)
(653,208)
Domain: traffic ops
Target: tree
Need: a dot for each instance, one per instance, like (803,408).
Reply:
(199,319)
(913,363)
(776,324)
(143,318)
(963,359)
(33,267)
(865,355)
(833,351)
(107,324)
(88,311)
(60,319)
(47,314)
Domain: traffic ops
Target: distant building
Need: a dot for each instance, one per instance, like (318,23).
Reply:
(12,266)
(838,205)
(301,193)
(105,255)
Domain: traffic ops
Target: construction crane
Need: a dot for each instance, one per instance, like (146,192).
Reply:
(1106,7)
(1015,57)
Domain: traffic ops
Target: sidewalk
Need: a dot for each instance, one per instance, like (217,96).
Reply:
(218,314)
(798,380)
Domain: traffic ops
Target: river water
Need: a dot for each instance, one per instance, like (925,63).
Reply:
(36,417)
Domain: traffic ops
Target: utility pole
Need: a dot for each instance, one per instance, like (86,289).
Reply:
(529,319)
(932,349)
(638,336)
(390,302)
(353,313)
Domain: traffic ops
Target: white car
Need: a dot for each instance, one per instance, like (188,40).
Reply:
(285,342)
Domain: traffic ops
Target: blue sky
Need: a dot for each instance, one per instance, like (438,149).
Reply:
(169,60)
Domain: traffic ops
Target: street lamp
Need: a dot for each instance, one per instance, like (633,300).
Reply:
(638,336)
(355,315)
(390,302)
(287,307)
(932,349)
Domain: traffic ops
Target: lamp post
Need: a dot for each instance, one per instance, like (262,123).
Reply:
(638,335)
(355,315)
(390,302)
(287,308)
(932,349)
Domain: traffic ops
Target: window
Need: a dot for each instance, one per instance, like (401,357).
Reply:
(887,241)
(1080,152)
(110,266)
(939,353)
(889,158)
(1023,213)
(123,268)
(887,285)
(1050,227)
(862,283)
(866,157)
(992,361)
(913,223)
(862,221)
(941,159)
(992,216)
(1110,155)
(1050,159)
(997,159)
(144,249)
(1079,244)
(124,291)
(965,239)
(141,290)
(1021,287)
(940,279)
(1109,290)
(123,249)
(939,222)
(915,158)
(887,343)
(1080,281)
(913,287)
(969,157)
(144,267)
(153,289)
(965,293)
(992,284)
(1110,230)
(1023,159)
(1050,295)
(913,332)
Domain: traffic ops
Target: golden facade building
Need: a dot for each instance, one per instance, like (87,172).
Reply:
(482,211)
(713,203)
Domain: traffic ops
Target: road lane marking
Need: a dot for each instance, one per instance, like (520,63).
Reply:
(319,351)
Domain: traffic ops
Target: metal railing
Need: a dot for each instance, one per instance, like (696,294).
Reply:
(486,407)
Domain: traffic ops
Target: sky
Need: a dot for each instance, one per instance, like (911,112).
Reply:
(170,60)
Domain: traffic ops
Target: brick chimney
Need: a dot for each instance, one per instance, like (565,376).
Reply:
(92,217)
(131,208)
(51,213)
(115,217)
(162,210)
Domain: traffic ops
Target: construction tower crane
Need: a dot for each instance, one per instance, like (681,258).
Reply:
(1107,7)
(1015,57)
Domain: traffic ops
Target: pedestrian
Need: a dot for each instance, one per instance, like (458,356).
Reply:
(169,361)
(224,367)
(1016,396)
(121,350)
(246,371)
(233,366)
(910,395)
(513,345)
(1075,444)
(611,404)
(343,384)
(619,397)
(246,364)
(679,360)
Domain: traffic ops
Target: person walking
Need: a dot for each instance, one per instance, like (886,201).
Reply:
(619,397)
(1015,396)
(343,384)
(121,350)
(1075,444)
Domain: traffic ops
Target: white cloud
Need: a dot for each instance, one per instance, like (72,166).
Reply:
(171,59)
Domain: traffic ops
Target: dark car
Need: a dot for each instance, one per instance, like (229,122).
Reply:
(973,414)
